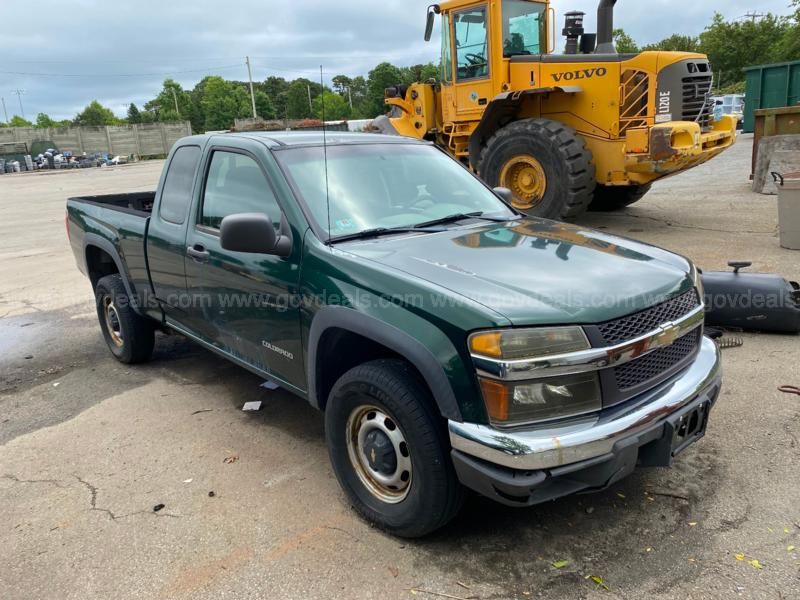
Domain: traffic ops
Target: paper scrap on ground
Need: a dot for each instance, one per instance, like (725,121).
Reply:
(270,385)
(255,405)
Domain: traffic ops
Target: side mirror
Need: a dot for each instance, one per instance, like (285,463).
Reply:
(253,233)
(505,194)
(433,9)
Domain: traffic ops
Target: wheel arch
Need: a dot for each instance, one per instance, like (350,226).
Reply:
(334,324)
(502,110)
(102,258)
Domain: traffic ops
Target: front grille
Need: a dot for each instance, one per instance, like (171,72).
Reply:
(697,103)
(632,326)
(660,361)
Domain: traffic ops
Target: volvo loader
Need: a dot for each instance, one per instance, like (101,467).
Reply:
(589,128)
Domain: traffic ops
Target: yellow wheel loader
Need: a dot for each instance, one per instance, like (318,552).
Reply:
(590,128)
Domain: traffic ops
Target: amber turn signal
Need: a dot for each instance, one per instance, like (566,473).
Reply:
(495,396)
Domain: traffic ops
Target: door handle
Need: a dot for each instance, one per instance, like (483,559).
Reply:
(198,253)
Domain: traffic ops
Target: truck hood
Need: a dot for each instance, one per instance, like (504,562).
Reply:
(536,271)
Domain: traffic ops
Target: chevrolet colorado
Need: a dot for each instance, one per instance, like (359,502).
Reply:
(450,342)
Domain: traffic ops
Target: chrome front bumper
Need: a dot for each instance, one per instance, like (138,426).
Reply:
(551,446)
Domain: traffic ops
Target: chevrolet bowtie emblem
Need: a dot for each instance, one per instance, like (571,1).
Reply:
(669,334)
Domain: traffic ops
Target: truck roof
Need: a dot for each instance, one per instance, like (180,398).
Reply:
(316,138)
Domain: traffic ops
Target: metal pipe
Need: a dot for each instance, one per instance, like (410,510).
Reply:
(605,27)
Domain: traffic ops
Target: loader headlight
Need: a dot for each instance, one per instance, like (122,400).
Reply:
(518,402)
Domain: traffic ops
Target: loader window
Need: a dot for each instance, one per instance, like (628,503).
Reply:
(472,51)
(524,26)
(447,52)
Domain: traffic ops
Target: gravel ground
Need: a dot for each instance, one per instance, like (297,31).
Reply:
(88,447)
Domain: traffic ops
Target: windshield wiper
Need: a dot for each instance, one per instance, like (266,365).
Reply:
(379,231)
(460,217)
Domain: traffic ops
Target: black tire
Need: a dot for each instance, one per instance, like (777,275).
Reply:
(562,154)
(433,493)
(130,337)
(610,198)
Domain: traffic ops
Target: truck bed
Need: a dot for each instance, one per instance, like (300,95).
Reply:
(137,202)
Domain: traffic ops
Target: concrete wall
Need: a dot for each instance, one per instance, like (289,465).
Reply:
(143,140)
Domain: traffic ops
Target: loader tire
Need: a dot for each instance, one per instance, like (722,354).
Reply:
(610,198)
(545,164)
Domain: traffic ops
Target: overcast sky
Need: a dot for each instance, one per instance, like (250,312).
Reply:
(66,53)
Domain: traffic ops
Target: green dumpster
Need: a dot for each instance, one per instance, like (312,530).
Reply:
(770,86)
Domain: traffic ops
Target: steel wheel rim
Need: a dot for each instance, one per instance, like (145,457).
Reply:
(391,488)
(113,325)
(525,177)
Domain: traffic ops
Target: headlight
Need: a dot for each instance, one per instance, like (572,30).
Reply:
(518,344)
(510,403)
(697,279)
(543,399)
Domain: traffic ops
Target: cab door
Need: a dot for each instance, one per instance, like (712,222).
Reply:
(472,57)
(244,304)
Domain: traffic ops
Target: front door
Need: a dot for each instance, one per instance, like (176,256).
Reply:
(473,83)
(245,304)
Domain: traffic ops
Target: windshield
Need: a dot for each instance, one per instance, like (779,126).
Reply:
(384,186)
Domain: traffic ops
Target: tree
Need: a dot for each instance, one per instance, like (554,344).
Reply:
(419,73)
(164,105)
(276,88)
(341,84)
(95,114)
(17,121)
(336,106)
(733,45)
(297,99)
(382,76)
(222,103)
(676,43)
(625,44)
(134,116)
(43,121)
(264,107)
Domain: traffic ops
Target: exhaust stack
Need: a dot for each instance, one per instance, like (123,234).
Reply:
(605,27)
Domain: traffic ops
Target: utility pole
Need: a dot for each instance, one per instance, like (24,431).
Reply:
(5,112)
(310,107)
(175,97)
(350,97)
(252,94)
(753,16)
(19,94)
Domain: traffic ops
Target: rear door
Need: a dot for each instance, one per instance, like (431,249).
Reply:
(244,304)
(166,234)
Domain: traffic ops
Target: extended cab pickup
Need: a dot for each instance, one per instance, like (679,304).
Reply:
(449,341)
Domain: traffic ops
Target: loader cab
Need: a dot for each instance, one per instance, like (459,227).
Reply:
(477,42)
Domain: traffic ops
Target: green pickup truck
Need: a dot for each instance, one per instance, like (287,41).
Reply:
(449,342)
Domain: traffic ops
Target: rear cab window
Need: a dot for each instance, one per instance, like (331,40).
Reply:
(235,184)
(176,194)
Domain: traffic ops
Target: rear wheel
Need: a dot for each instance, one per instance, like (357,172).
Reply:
(545,164)
(129,336)
(389,449)
(608,198)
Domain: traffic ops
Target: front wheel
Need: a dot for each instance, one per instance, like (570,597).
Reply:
(545,164)
(389,449)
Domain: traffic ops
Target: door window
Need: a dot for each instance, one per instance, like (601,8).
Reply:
(447,52)
(472,50)
(523,27)
(177,192)
(236,184)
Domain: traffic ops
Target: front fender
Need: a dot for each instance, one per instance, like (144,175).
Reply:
(398,340)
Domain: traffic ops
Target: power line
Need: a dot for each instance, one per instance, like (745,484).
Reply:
(19,94)
(158,74)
